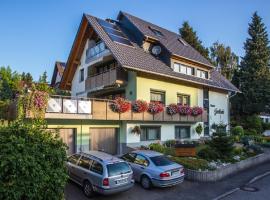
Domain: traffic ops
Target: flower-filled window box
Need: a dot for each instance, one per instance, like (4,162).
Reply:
(155,107)
(120,105)
(139,106)
(172,109)
(196,111)
(184,110)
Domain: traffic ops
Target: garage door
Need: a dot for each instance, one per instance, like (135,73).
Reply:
(104,139)
(68,137)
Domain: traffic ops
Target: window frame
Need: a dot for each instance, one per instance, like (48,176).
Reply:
(94,171)
(147,133)
(182,97)
(158,92)
(181,66)
(90,161)
(147,162)
(79,157)
(157,33)
(179,133)
(199,73)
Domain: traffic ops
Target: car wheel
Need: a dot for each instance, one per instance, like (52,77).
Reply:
(146,182)
(88,189)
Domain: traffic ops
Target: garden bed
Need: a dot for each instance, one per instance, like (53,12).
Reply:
(222,172)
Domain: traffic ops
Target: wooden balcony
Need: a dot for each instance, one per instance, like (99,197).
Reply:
(113,76)
(98,109)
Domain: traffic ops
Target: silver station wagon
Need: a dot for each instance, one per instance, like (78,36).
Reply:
(100,172)
(151,168)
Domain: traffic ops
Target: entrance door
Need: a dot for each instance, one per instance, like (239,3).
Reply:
(104,139)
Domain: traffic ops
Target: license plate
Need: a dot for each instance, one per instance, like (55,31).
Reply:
(175,172)
(121,181)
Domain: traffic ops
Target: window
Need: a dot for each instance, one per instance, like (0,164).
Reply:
(141,160)
(157,96)
(97,167)
(156,32)
(183,99)
(202,74)
(85,162)
(129,157)
(74,159)
(81,75)
(161,161)
(118,169)
(150,133)
(182,132)
(183,41)
(184,69)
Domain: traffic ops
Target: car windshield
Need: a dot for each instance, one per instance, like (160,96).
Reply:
(118,169)
(161,161)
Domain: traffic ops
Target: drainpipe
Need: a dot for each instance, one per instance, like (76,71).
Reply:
(229,110)
(81,138)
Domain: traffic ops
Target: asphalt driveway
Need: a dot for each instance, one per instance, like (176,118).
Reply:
(186,191)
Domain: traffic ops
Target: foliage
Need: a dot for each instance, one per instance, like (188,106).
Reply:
(224,59)
(136,130)
(155,107)
(222,145)
(120,105)
(253,78)
(250,132)
(253,122)
(170,143)
(255,148)
(196,110)
(172,109)
(157,147)
(190,36)
(237,131)
(184,110)
(139,106)
(32,163)
(192,163)
(199,129)
(208,153)
(4,107)
(265,126)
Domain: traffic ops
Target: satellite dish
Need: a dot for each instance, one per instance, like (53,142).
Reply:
(156,50)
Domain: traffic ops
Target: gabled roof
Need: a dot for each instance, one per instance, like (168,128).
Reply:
(172,41)
(59,68)
(135,58)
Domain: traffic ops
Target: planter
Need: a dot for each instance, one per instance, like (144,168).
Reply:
(220,173)
(185,150)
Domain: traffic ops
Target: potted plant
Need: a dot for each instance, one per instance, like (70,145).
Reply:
(139,106)
(155,107)
(199,129)
(136,130)
(172,109)
(120,105)
(196,111)
(184,110)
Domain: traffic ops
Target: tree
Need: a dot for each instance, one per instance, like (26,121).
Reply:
(253,78)
(32,163)
(43,78)
(190,36)
(224,59)
(27,78)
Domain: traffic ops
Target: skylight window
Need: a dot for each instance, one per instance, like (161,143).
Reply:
(156,32)
(182,41)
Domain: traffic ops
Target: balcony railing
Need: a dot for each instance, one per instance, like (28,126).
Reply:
(96,52)
(99,109)
(110,77)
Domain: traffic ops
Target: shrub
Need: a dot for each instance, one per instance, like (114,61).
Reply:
(170,143)
(250,132)
(32,163)
(222,145)
(157,147)
(254,122)
(191,163)
(265,126)
(208,153)
(237,131)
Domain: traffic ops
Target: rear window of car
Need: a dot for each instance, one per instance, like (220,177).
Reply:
(118,169)
(161,161)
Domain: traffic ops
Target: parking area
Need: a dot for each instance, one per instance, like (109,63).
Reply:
(186,191)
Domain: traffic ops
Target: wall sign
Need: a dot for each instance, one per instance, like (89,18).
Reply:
(218,111)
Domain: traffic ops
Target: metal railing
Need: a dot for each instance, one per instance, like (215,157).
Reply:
(96,51)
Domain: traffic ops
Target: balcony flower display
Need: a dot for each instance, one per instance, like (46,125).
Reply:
(184,110)
(172,109)
(155,107)
(139,106)
(120,105)
(196,111)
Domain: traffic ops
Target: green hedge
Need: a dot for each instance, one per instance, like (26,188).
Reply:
(191,163)
(32,163)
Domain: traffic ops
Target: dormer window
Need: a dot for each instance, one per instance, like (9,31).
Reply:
(202,74)
(184,69)
(182,41)
(156,32)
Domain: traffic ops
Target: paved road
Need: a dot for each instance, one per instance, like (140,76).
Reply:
(188,190)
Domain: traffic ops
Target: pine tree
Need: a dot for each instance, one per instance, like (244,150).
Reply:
(43,78)
(253,79)
(190,36)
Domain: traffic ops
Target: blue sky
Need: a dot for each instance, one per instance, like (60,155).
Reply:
(36,33)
